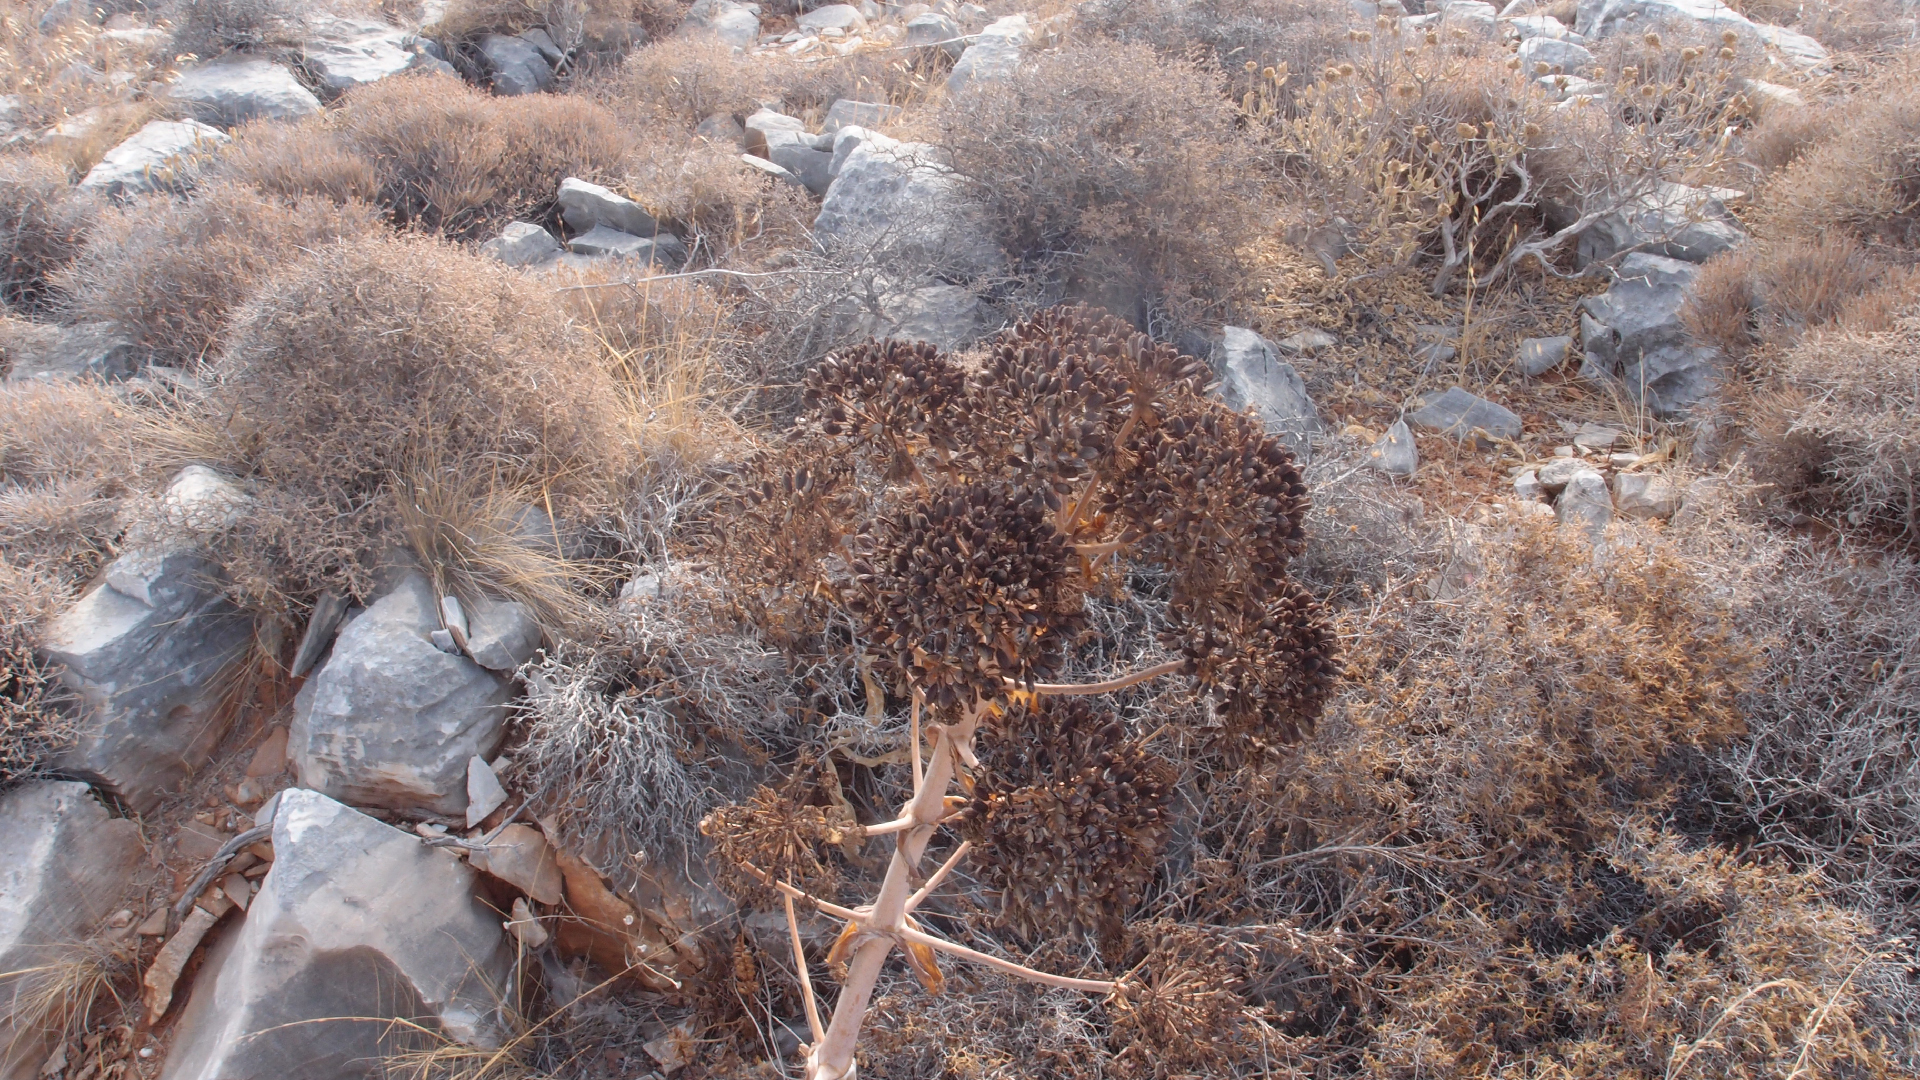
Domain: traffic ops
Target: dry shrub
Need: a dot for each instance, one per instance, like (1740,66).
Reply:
(64,462)
(442,155)
(1300,35)
(684,81)
(1772,292)
(1841,442)
(289,161)
(168,272)
(1780,134)
(380,366)
(42,226)
(32,726)
(1864,180)
(1119,170)
(96,131)
(719,205)
(207,28)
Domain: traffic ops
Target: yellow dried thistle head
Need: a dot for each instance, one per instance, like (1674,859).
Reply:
(1541,67)
(1466,131)
(1727,53)
(1652,39)
(1689,53)
(1728,37)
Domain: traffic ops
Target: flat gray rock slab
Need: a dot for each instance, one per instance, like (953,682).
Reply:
(391,720)
(345,53)
(161,155)
(866,114)
(1458,413)
(933,30)
(356,923)
(143,652)
(585,205)
(59,353)
(231,92)
(736,24)
(522,243)
(601,240)
(994,55)
(1255,377)
(514,65)
(1671,220)
(65,865)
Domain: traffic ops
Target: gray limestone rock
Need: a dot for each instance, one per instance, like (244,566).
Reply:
(722,129)
(1606,18)
(933,30)
(514,65)
(1554,52)
(231,92)
(1395,453)
(994,55)
(1633,337)
(57,353)
(1458,413)
(843,17)
(601,240)
(65,865)
(1647,496)
(390,720)
(1674,220)
(1254,375)
(522,243)
(1555,475)
(866,114)
(899,199)
(1541,355)
(543,43)
(1584,504)
(344,53)
(501,634)
(163,155)
(949,316)
(736,24)
(355,924)
(584,206)
(143,652)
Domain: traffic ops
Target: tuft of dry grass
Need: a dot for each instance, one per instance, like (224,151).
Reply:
(43,225)
(208,28)
(168,272)
(59,995)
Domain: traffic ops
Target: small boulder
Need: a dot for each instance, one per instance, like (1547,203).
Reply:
(933,30)
(514,65)
(664,249)
(584,206)
(356,924)
(994,55)
(542,43)
(842,17)
(1555,475)
(1634,339)
(1542,354)
(1527,486)
(1673,220)
(765,122)
(1647,496)
(1458,413)
(865,114)
(1584,504)
(899,198)
(65,866)
(501,634)
(233,91)
(1395,453)
(143,652)
(344,53)
(58,353)
(723,130)
(1555,53)
(1533,26)
(1256,377)
(391,720)
(949,316)
(162,155)
(522,243)
(736,24)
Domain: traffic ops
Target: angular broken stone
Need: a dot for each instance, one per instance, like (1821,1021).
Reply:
(1672,220)
(521,857)
(484,793)
(231,91)
(1256,377)
(1395,453)
(501,634)
(898,198)
(1556,474)
(1458,413)
(514,66)
(866,114)
(1541,355)
(1585,505)
(1647,496)
(1634,338)
(522,243)
(736,24)
(163,155)
(355,924)
(585,206)
(345,52)
(994,55)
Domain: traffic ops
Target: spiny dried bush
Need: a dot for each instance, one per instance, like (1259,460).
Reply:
(1115,171)
(1290,35)
(958,518)
(1839,441)
(66,458)
(33,726)
(682,82)
(1436,152)
(1766,295)
(208,28)
(169,272)
(42,227)
(442,155)
(380,366)
(725,210)
(1861,179)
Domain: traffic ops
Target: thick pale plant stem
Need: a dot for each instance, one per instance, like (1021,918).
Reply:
(832,1056)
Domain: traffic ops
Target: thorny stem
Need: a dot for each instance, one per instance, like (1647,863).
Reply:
(1084,689)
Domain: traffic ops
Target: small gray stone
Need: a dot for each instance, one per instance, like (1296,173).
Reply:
(842,17)
(1646,496)
(994,55)
(501,634)
(1555,475)
(58,353)
(771,169)
(809,157)
(935,31)
(484,793)
(391,720)
(164,154)
(514,66)
(1584,505)
(1395,453)
(1458,413)
(522,243)
(1634,338)
(583,206)
(345,53)
(736,24)
(65,865)
(601,240)
(318,636)
(1256,377)
(1527,486)
(1598,437)
(1554,52)
(355,924)
(764,122)
(1533,26)
(1540,355)
(866,114)
(541,41)
(233,91)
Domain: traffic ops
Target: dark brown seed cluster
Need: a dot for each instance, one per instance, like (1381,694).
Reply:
(969,587)
(1270,666)
(784,513)
(888,396)
(1181,1013)
(1068,817)
(777,835)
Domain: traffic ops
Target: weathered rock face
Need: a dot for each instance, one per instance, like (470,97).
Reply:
(1254,375)
(355,920)
(143,652)
(736,24)
(391,720)
(52,353)
(1555,52)
(1633,336)
(522,243)
(232,92)
(994,55)
(898,196)
(346,53)
(64,866)
(514,65)
(933,30)
(1458,413)
(584,205)
(1672,220)
(1605,18)
(1645,496)
(160,155)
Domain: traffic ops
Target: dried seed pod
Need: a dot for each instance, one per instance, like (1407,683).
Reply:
(886,396)
(1268,666)
(1068,818)
(968,587)
(1182,1011)
(777,834)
